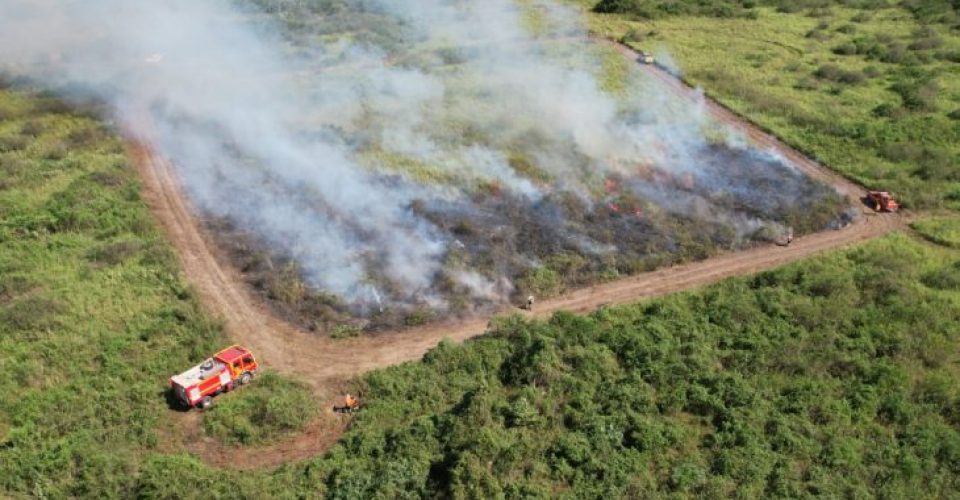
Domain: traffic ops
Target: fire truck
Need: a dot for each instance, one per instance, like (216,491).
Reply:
(882,201)
(227,369)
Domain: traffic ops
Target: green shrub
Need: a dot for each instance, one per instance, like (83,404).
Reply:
(10,143)
(940,230)
(945,278)
(687,476)
(13,284)
(33,128)
(931,10)
(32,313)
(345,331)
(541,281)
(847,29)
(820,36)
(903,151)
(927,43)
(269,407)
(418,317)
(623,7)
(937,165)
(888,110)
(111,254)
(835,74)
(847,49)
(949,55)
(660,8)
(894,53)
(918,95)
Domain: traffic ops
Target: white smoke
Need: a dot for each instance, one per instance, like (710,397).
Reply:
(295,142)
(213,90)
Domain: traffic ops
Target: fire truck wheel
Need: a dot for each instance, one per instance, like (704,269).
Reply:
(206,402)
(245,378)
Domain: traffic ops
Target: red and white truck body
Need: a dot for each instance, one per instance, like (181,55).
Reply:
(228,368)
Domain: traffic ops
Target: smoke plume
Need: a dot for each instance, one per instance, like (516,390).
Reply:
(348,137)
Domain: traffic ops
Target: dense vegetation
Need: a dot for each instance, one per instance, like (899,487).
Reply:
(942,11)
(271,407)
(833,377)
(869,87)
(659,8)
(93,315)
(943,230)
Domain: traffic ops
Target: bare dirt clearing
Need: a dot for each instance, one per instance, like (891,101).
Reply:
(326,364)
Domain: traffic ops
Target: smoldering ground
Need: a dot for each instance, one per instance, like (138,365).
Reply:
(414,154)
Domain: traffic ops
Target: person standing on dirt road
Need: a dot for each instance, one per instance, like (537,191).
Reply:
(530,303)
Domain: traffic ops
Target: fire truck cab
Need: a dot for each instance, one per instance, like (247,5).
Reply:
(882,201)
(228,368)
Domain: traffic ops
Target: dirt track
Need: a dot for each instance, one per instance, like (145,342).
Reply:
(326,363)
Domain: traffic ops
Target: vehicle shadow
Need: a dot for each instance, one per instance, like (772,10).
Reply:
(173,402)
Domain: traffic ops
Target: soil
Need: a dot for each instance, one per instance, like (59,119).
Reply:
(327,364)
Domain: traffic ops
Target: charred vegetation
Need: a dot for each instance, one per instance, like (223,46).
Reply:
(502,247)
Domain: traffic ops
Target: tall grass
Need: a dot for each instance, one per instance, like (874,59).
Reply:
(94,316)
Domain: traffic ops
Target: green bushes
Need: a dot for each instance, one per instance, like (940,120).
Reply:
(949,55)
(933,10)
(88,332)
(941,230)
(417,317)
(541,281)
(945,278)
(834,73)
(266,409)
(812,378)
(918,95)
(345,331)
(30,314)
(113,253)
(929,43)
(660,8)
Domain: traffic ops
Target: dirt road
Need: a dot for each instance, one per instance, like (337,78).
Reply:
(326,363)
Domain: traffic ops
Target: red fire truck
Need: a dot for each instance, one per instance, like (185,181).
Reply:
(227,369)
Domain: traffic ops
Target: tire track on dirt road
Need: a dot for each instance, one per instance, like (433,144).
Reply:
(326,364)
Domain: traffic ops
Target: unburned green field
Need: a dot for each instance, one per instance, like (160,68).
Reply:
(93,313)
